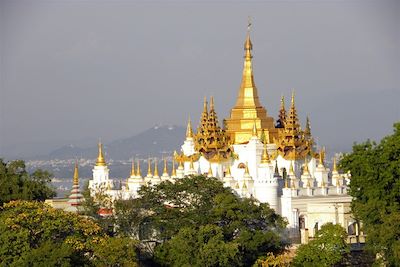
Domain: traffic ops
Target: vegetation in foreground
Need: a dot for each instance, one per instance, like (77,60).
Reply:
(375,188)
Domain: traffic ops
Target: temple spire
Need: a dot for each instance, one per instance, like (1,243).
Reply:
(149,173)
(265,157)
(76,174)
(133,169)
(189,131)
(334,165)
(173,172)
(100,157)
(254,132)
(138,174)
(248,95)
(155,169)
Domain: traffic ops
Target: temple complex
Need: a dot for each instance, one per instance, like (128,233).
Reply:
(272,160)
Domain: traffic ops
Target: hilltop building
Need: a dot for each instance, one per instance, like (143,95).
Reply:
(274,161)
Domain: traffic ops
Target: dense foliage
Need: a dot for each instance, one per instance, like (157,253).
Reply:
(34,234)
(196,215)
(17,183)
(375,187)
(327,249)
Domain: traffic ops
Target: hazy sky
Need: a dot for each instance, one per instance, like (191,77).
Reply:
(80,70)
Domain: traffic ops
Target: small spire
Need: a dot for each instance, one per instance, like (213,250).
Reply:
(173,174)
(265,156)
(292,101)
(138,174)
(305,170)
(191,167)
(149,173)
(76,174)
(100,157)
(205,106)
(210,172)
(246,169)
(334,165)
(276,172)
(211,103)
(308,183)
(155,168)
(228,172)
(255,133)
(189,131)
(165,171)
(321,160)
(133,169)
(291,169)
(286,182)
(307,131)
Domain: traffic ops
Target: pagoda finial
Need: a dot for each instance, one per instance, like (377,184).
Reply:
(291,169)
(155,168)
(228,172)
(305,170)
(334,165)
(165,171)
(133,169)
(149,173)
(292,100)
(246,169)
(189,131)
(100,157)
(265,156)
(76,174)
(138,172)
(173,173)
(211,103)
(210,172)
(321,156)
(255,133)
(205,105)
(276,172)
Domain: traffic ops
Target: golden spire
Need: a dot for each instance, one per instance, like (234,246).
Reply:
(286,182)
(255,133)
(307,131)
(228,172)
(76,174)
(248,95)
(334,165)
(282,114)
(165,171)
(205,108)
(246,169)
(265,156)
(305,170)
(149,173)
(308,183)
(189,131)
(133,169)
(173,173)
(100,158)
(321,159)
(191,166)
(211,103)
(138,174)
(210,172)
(155,168)
(291,170)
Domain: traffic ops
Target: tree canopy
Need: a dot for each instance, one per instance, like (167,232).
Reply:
(195,214)
(327,249)
(375,187)
(34,234)
(17,183)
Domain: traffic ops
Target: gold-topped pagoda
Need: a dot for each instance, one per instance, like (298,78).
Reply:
(248,110)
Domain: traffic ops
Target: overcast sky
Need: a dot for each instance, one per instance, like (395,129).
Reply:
(80,70)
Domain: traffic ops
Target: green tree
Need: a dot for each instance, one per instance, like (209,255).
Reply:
(327,249)
(17,183)
(375,188)
(32,233)
(204,246)
(162,212)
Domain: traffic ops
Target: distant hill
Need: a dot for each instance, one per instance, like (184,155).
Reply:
(154,142)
